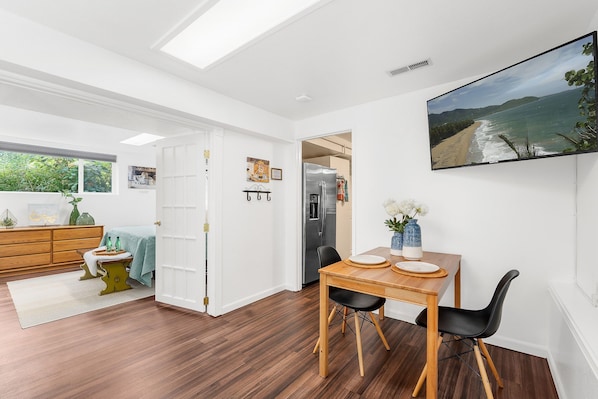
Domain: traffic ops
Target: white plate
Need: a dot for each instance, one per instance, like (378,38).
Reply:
(367,259)
(417,267)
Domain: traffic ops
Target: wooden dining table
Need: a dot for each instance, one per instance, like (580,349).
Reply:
(392,283)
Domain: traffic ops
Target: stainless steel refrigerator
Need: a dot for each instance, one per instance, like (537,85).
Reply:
(319,216)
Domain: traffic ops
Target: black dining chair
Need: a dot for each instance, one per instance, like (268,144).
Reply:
(355,301)
(471,326)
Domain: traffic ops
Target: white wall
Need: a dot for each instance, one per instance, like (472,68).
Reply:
(513,215)
(258,235)
(587,198)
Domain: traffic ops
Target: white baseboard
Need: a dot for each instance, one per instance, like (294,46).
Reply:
(556,377)
(252,298)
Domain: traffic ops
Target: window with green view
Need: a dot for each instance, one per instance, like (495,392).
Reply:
(37,172)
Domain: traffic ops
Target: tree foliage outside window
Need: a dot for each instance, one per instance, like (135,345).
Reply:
(97,177)
(24,172)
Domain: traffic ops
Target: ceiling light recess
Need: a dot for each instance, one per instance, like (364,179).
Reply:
(229,25)
(141,139)
(303,98)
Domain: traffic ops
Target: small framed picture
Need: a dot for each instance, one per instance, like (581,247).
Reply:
(276,174)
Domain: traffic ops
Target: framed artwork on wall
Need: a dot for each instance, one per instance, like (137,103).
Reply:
(142,177)
(258,170)
(276,174)
(43,214)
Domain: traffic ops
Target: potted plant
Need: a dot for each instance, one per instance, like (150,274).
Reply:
(74,201)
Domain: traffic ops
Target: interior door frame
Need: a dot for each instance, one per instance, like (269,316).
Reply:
(214,217)
(300,199)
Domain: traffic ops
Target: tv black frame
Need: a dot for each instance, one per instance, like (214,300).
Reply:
(591,35)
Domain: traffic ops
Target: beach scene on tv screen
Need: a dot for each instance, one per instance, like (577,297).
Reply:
(544,106)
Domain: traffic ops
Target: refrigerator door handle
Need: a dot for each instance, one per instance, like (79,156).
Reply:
(322,207)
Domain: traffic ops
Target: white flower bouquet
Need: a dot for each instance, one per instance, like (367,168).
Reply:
(402,212)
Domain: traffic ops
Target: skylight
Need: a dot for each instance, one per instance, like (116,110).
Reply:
(229,25)
(141,139)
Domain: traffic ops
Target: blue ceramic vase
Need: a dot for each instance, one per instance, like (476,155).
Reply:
(412,241)
(396,244)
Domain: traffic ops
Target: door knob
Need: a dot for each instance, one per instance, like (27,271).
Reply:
(158,223)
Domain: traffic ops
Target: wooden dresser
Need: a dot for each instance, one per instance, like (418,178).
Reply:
(32,249)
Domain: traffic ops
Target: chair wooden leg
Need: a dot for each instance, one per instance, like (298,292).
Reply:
(358,339)
(420,381)
(330,317)
(424,373)
(483,373)
(344,325)
(490,362)
(380,333)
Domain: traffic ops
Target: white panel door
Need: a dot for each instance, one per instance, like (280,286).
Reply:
(180,210)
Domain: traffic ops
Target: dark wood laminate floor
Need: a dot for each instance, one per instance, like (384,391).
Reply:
(142,349)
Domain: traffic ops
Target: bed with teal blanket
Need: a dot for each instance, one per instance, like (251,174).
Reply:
(140,241)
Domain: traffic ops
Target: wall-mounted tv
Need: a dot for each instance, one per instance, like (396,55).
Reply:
(542,107)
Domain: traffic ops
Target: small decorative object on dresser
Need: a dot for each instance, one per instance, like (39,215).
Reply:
(43,214)
(75,212)
(7,220)
(85,219)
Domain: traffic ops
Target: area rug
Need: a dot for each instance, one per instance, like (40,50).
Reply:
(43,299)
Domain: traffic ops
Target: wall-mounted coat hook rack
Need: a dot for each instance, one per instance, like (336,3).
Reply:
(259,194)
(259,190)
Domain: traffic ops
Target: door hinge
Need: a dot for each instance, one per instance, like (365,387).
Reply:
(206,301)
(206,154)
(206,227)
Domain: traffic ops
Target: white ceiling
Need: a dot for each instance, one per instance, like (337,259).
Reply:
(338,54)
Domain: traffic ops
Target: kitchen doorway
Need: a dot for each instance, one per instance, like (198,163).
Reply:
(335,151)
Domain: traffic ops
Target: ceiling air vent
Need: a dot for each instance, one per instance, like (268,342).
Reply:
(410,67)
